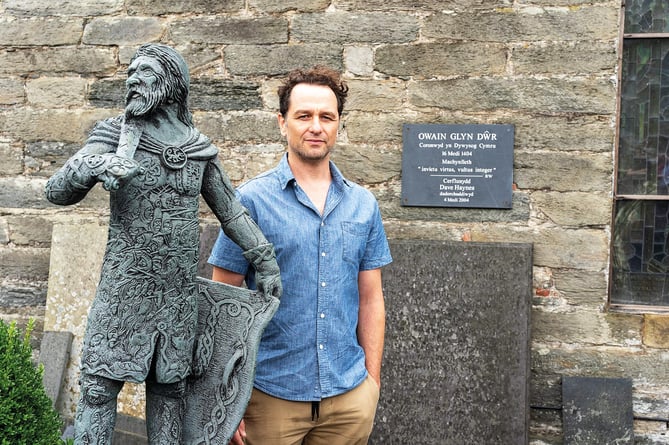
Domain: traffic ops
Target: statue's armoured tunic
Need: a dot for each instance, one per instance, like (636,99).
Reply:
(145,309)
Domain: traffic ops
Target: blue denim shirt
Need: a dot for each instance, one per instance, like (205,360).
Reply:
(310,349)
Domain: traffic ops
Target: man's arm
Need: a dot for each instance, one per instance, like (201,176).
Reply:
(227,276)
(371,320)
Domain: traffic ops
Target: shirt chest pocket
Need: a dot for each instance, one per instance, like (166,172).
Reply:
(354,241)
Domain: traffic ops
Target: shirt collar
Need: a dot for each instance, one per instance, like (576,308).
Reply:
(286,174)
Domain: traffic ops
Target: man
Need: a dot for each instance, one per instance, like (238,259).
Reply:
(319,363)
(142,323)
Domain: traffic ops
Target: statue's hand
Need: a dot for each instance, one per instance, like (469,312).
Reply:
(268,278)
(118,169)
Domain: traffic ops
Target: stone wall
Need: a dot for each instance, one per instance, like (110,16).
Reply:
(546,66)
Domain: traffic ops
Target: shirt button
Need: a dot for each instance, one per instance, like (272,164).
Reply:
(323,284)
(322,315)
(320,347)
(322,253)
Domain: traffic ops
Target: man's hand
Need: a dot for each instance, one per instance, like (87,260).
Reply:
(239,438)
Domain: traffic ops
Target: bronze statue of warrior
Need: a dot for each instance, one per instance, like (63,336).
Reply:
(142,323)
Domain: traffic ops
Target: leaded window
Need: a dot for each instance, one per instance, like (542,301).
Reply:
(640,254)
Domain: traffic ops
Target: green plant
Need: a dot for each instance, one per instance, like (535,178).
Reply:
(26,414)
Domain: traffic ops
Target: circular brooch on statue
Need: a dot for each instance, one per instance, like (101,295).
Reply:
(174,158)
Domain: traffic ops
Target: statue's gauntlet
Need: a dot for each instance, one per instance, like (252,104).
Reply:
(263,259)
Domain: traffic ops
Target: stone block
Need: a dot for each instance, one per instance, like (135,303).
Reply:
(24,264)
(56,92)
(11,156)
(272,60)
(122,31)
(210,94)
(40,31)
(50,60)
(272,6)
(656,331)
(407,5)
(373,95)
(524,24)
(345,27)
(597,411)
(79,8)
(359,60)
(456,363)
(576,209)
(428,60)
(564,172)
(560,58)
(54,356)
(581,249)
(11,91)
(230,31)
(154,8)
(239,127)
(553,95)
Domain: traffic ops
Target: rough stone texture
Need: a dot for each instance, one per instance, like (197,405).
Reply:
(62,7)
(340,27)
(51,125)
(122,31)
(426,60)
(520,24)
(471,384)
(575,209)
(231,31)
(656,331)
(542,96)
(359,60)
(273,60)
(563,172)
(81,60)
(40,31)
(12,159)
(56,92)
(149,7)
(289,5)
(552,58)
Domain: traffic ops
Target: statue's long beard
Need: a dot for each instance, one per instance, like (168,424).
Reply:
(145,103)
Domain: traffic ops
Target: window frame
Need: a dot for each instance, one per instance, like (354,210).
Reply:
(618,198)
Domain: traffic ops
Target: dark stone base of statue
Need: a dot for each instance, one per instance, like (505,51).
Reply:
(230,324)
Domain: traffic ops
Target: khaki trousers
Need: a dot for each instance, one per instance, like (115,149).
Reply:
(346,419)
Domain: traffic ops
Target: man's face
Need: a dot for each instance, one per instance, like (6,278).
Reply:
(311,122)
(145,87)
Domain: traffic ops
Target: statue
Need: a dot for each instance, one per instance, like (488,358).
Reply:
(143,322)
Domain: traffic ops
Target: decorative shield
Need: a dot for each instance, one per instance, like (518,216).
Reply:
(230,323)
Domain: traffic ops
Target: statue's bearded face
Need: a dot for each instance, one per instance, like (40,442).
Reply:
(146,87)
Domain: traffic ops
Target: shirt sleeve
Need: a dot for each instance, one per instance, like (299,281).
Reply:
(377,252)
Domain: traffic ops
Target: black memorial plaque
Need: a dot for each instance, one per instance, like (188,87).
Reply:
(457,165)
(456,365)
(597,410)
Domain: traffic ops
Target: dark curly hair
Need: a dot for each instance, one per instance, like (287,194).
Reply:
(318,75)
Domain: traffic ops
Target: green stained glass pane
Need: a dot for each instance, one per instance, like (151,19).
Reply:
(646,16)
(643,154)
(640,269)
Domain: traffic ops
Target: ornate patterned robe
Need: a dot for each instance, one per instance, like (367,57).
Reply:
(144,314)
